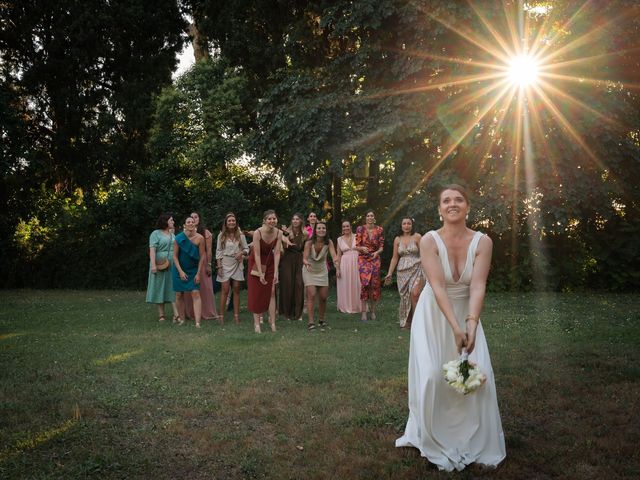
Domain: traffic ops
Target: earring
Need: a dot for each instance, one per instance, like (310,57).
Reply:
(467,217)
(440,217)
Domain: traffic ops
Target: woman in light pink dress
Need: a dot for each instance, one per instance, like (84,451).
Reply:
(207,297)
(348,284)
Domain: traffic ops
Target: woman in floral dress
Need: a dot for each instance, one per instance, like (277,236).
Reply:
(406,256)
(369,243)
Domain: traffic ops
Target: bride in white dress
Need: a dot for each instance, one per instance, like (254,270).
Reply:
(450,429)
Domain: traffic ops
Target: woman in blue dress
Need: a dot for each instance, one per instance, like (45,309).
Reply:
(188,267)
(159,285)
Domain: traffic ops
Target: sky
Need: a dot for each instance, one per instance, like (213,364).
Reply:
(185,60)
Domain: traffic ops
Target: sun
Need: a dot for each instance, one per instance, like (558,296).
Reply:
(523,70)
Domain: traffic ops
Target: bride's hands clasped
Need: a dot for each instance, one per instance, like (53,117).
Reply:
(461,339)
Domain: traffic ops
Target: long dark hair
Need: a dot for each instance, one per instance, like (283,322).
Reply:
(201,226)
(314,237)
(413,225)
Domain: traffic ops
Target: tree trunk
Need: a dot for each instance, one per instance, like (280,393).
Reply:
(199,41)
(372,182)
(337,205)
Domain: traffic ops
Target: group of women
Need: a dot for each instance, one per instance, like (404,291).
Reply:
(450,429)
(288,268)
(181,273)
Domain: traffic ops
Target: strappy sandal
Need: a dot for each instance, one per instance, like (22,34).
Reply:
(323,324)
(175,318)
(161,318)
(311,327)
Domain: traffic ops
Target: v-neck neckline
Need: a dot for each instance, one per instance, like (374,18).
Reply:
(466,260)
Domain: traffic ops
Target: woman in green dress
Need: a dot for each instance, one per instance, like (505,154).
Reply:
(160,284)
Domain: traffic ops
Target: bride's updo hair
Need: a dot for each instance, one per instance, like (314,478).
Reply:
(458,188)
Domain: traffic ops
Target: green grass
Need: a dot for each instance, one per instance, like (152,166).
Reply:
(92,386)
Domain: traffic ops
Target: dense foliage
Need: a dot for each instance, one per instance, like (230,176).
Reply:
(335,106)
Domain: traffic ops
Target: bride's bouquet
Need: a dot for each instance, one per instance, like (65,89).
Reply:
(463,376)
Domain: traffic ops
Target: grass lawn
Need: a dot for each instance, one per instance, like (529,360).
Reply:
(92,386)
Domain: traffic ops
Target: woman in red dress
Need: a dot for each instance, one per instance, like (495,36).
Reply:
(369,244)
(263,270)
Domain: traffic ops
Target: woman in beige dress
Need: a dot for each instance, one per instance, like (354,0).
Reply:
(231,249)
(315,273)
(406,256)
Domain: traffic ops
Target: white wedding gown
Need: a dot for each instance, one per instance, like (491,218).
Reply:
(450,429)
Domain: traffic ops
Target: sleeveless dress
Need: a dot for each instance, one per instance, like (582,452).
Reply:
(450,429)
(290,285)
(159,284)
(317,274)
(207,297)
(189,258)
(409,272)
(348,284)
(369,267)
(259,295)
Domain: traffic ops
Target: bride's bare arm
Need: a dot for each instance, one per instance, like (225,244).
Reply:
(478,287)
(433,269)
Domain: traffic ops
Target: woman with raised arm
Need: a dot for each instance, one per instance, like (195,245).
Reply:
(231,249)
(159,285)
(188,268)
(291,286)
(406,256)
(369,243)
(316,274)
(263,267)
(450,429)
(348,284)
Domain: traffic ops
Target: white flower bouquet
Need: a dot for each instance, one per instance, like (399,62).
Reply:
(465,377)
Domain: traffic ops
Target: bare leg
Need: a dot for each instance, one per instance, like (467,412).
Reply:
(181,307)
(160,311)
(224,293)
(236,301)
(256,323)
(311,298)
(364,309)
(415,295)
(373,309)
(176,314)
(272,309)
(323,293)
(197,307)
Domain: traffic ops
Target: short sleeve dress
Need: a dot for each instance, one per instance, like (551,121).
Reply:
(160,284)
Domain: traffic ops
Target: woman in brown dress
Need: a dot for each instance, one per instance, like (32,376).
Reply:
(291,287)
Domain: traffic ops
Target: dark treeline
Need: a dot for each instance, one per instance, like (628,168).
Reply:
(331,106)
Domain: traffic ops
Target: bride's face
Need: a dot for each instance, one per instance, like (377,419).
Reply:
(453,206)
